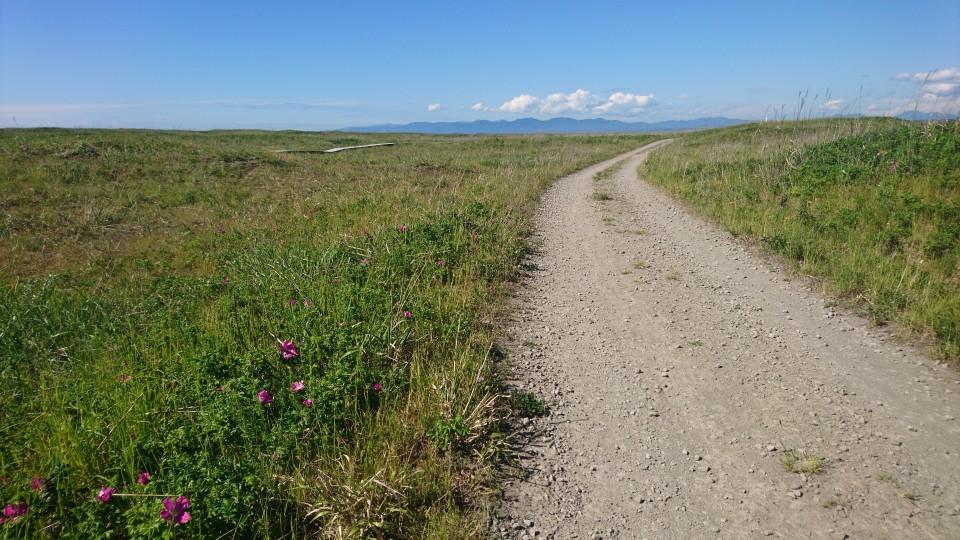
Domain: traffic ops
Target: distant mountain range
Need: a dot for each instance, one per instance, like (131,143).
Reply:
(553,125)
(925,117)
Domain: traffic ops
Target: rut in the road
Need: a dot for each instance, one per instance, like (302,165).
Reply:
(681,369)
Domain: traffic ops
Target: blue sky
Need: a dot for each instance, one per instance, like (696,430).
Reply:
(322,65)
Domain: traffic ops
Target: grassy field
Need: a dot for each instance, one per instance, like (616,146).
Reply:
(870,205)
(297,344)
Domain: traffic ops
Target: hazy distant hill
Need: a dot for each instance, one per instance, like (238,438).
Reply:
(553,125)
(925,117)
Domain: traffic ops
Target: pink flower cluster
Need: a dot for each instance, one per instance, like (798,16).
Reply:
(13,512)
(289,351)
(174,510)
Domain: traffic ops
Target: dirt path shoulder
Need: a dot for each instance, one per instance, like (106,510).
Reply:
(686,374)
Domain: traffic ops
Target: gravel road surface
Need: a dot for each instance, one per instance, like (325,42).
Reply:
(683,369)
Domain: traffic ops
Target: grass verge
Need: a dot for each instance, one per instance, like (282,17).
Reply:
(870,205)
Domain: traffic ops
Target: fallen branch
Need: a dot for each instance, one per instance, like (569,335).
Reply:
(332,150)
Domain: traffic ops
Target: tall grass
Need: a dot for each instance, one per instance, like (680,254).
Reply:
(148,278)
(870,205)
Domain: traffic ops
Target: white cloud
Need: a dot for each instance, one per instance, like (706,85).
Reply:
(942,88)
(834,105)
(579,101)
(624,103)
(934,75)
(938,82)
(576,102)
(937,92)
(519,104)
(478,106)
(433,107)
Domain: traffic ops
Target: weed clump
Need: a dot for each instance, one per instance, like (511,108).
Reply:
(525,404)
(799,461)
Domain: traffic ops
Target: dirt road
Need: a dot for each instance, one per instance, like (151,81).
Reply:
(682,367)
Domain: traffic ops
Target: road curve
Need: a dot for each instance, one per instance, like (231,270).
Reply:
(681,367)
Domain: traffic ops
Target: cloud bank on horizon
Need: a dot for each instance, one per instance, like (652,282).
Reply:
(936,92)
(579,101)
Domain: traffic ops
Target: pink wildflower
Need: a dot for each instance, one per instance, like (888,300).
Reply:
(297,386)
(143,478)
(308,402)
(402,228)
(293,301)
(364,262)
(441,263)
(104,494)
(288,349)
(307,302)
(13,512)
(407,314)
(264,397)
(377,387)
(176,510)
(226,279)
(37,483)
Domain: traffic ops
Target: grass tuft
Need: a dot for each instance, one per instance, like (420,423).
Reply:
(526,404)
(799,461)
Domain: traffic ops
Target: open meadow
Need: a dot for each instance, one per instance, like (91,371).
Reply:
(295,344)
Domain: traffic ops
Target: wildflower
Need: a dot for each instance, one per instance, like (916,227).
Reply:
(226,279)
(893,165)
(377,387)
(308,402)
(104,495)
(403,228)
(176,510)
(125,378)
(264,397)
(307,302)
(293,301)
(441,263)
(288,349)
(13,512)
(364,262)
(143,478)
(37,483)
(297,386)
(407,314)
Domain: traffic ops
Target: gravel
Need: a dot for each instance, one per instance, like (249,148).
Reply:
(649,438)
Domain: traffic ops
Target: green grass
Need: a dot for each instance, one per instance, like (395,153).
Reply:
(799,461)
(145,278)
(870,205)
(526,404)
(602,196)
